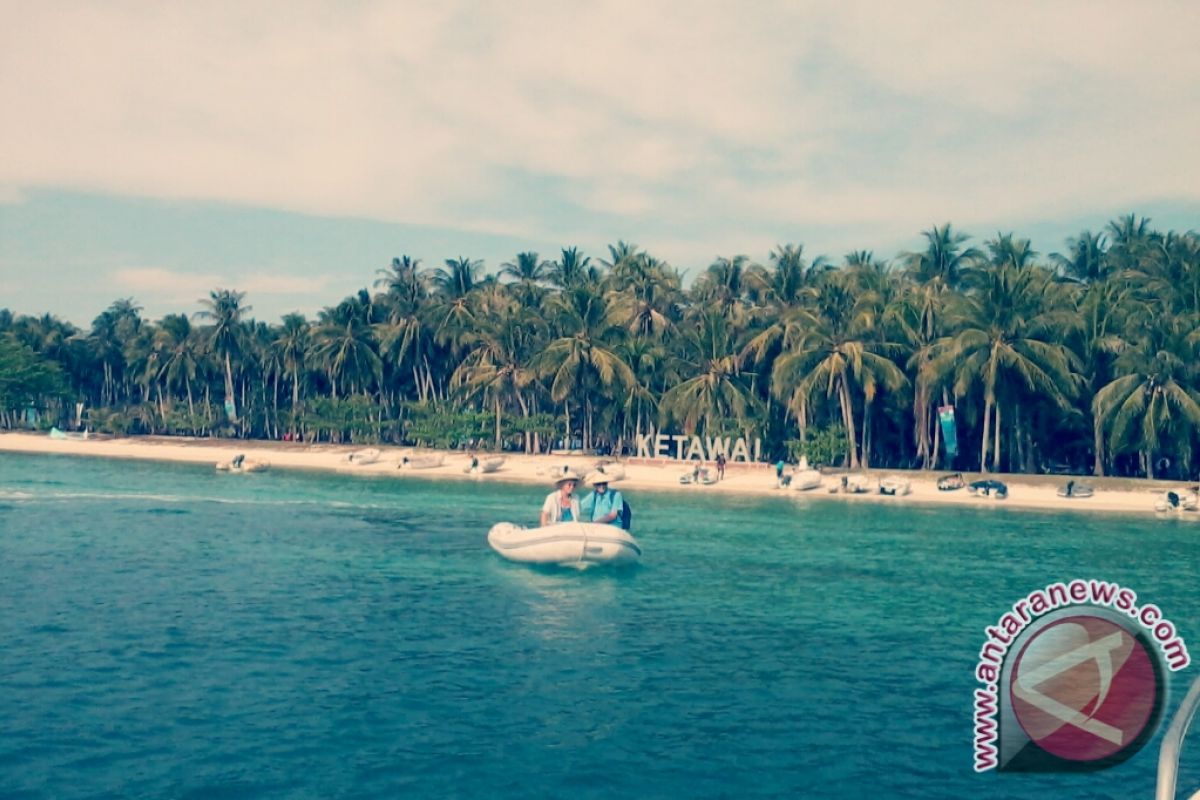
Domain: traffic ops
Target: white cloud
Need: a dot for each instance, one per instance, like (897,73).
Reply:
(492,118)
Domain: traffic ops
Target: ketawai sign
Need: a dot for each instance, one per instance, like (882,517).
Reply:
(686,448)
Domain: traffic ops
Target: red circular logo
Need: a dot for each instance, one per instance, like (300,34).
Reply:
(1083,688)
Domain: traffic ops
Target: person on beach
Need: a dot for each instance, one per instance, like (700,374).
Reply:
(720,466)
(602,505)
(779,466)
(561,505)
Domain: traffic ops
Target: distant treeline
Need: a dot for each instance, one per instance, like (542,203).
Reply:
(1085,359)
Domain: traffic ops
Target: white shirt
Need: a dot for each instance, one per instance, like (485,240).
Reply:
(553,509)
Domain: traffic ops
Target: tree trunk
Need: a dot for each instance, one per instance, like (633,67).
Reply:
(1098,445)
(987,422)
(229,395)
(498,423)
(866,436)
(996,454)
(848,419)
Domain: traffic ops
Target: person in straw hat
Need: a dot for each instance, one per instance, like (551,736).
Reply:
(603,504)
(562,505)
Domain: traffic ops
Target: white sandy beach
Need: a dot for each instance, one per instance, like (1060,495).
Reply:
(1025,491)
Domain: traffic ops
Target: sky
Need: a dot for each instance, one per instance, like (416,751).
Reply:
(291,149)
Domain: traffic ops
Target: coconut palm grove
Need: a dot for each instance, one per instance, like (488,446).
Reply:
(1084,360)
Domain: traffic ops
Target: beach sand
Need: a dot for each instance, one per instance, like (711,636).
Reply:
(1113,495)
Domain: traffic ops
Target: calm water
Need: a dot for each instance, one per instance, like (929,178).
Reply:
(166,631)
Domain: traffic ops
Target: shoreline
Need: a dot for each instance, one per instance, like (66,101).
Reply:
(1035,492)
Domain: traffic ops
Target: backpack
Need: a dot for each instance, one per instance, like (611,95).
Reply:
(626,514)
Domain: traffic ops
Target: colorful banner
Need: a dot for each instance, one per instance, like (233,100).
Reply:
(949,431)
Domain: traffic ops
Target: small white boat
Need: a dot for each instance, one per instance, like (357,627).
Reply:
(1177,500)
(613,470)
(700,476)
(484,465)
(242,465)
(362,457)
(856,484)
(806,479)
(895,485)
(567,544)
(1075,489)
(422,462)
(997,490)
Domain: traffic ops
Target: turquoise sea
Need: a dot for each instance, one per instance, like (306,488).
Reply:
(166,631)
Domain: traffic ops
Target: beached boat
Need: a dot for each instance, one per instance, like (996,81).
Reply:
(806,479)
(612,470)
(950,483)
(855,484)
(1076,489)
(1177,500)
(55,433)
(702,476)
(988,488)
(895,485)
(484,465)
(422,462)
(567,544)
(242,465)
(363,457)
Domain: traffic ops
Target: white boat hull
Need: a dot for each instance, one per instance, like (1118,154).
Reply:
(806,480)
(245,468)
(895,486)
(363,457)
(613,470)
(422,462)
(1184,500)
(567,544)
(486,465)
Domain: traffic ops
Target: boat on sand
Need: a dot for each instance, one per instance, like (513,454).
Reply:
(895,485)
(700,476)
(1075,489)
(613,470)
(239,464)
(565,544)
(988,488)
(363,457)
(855,484)
(950,483)
(1177,500)
(805,477)
(482,466)
(422,462)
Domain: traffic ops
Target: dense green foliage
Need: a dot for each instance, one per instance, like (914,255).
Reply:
(1085,359)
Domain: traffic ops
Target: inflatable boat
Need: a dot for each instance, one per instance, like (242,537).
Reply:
(566,544)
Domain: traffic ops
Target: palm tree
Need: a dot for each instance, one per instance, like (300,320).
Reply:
(1153,406)
(224,307)
(1006,333)
(344,347)
(572,269)
(528,275)
(291,345)
(716,393)
(1084,261)
(832,351)
(584,361)
(498,364)
(934,272)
